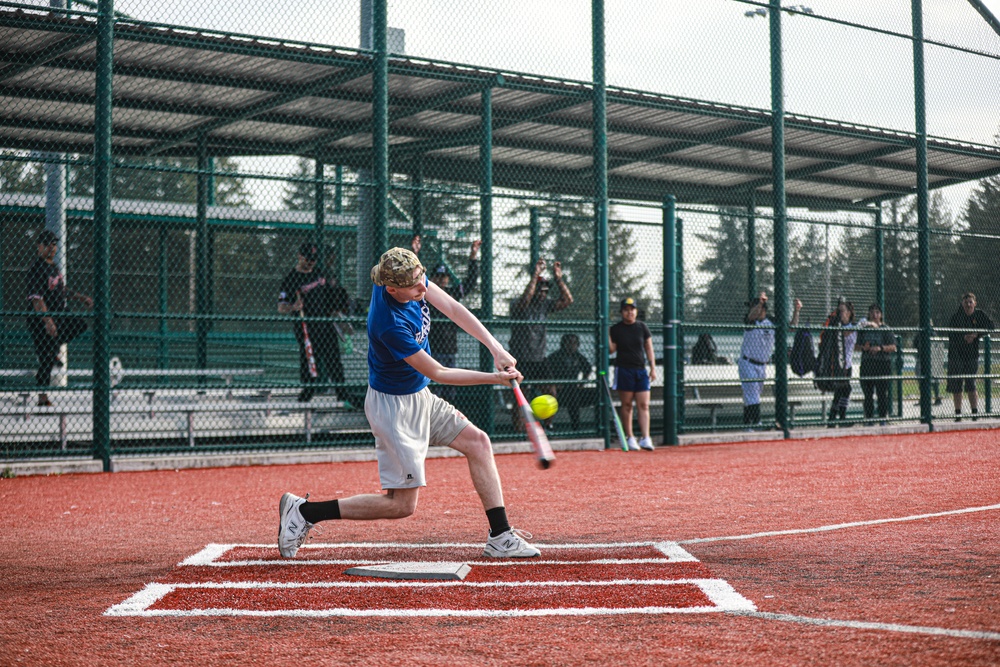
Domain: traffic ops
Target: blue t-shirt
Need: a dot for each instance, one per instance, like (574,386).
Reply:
(396,331)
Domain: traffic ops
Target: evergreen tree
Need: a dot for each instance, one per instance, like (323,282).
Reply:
(807,272)
(567,235)
(17,176)
(723,299)
(975,260)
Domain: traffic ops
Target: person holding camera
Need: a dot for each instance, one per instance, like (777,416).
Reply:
(755,354)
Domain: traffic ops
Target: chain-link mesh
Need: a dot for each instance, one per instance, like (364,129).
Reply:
(248,140)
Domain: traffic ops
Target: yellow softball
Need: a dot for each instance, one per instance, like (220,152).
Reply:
(544,406)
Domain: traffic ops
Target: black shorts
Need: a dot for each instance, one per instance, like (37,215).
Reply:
(962,366)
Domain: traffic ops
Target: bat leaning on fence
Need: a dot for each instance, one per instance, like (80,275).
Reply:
(614,413)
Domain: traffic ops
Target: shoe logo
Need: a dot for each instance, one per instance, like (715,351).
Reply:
(508,544)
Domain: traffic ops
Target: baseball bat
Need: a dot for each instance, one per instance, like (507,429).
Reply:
(536,434)
(614,413)
(308,345)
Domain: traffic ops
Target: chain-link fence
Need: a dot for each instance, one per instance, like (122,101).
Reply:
(178,183)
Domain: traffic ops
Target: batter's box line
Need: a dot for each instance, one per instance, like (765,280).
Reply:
(210,555)
(723,597)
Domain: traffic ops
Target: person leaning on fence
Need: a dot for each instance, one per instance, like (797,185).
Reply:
(755,353)
(405,417)
(308,291)
(47,295)
(630,340)
(877,344)
(444,334)
(963,352)
(567,363)
(834,361)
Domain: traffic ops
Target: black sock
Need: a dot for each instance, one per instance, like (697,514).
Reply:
(747,415)
(498,521)
(316,512)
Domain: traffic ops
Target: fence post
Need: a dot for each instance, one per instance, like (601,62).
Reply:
(319,211)
(600,143)
(102,232)
(752,248)
(338,195)
(534,239)
(923,224)
(899,378)
(163,354)
(670,322)
(987,369)
(380,133)
(486,254)
(417,198)
(679,307)
(202,306)
(780,222)
(879,260)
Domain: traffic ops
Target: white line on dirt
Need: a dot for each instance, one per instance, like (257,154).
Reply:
(864,625)
(839,526)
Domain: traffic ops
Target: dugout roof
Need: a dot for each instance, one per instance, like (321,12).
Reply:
(245,96)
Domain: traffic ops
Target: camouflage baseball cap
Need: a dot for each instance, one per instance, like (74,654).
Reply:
(395,269)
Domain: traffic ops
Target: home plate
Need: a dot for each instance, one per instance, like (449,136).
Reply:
(436,570)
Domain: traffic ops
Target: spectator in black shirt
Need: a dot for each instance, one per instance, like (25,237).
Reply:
(47,293)
(963,352)
(308,291)
(877,344)
(444,333)
(630,338)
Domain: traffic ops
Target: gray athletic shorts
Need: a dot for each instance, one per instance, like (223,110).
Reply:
(404,426)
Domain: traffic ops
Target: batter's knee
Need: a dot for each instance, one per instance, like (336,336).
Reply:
(403,503)
(473,442)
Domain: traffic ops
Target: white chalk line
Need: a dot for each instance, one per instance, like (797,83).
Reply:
(865,625)
(723,597)
(839,526)
(210,555)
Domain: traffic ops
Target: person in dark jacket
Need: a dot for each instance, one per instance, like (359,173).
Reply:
(567,363)
(963,352)
(47,296)
(877,344)
(444,333)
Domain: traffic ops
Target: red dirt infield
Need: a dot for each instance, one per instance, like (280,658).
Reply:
(848,551)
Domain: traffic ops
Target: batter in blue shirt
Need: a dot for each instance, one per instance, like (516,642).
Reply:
(406,417)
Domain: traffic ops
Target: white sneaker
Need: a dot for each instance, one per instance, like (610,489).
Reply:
(633,446)
(647,444)
(292,528)
(510,545)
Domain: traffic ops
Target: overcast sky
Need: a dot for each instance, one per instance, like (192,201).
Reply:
(706,49)
(703,49)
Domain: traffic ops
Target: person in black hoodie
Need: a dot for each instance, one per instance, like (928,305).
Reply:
(963,352)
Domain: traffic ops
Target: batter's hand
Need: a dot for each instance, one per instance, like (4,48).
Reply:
(557,270)
(504,360)
(504,376)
